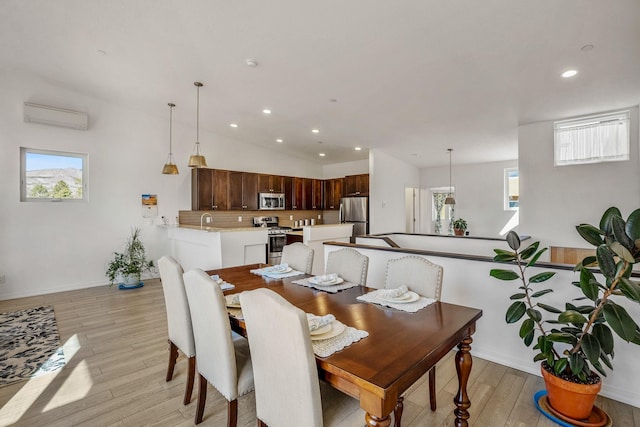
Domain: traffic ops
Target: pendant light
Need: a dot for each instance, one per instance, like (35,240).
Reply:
(197,160)
(170,168)
(450,200)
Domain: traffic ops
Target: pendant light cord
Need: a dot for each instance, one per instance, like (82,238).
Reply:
(170,127)
(450,149)
(198,117)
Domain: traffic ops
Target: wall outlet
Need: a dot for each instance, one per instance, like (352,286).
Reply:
(239,219)
(208,219)
(319,216)
(290,217)
(3,279)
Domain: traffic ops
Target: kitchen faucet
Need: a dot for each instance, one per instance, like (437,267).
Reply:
(202,218)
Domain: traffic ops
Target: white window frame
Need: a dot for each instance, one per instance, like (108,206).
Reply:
(507,203)
(592,139)
(24,197)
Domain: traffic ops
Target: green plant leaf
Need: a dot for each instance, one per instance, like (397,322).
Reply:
(630,289)
(589,261)
(504,274)
(549,308)
(606,360)
(529,251)
(620,321)
(560,365)
(576,363)
(542,277)
(606,261)
(599,368)
(590,233)
(535,258)
(591,348)
(527,326)
(517,296)
(571,316)
(538,357)
(534,314)
(604,336)
(515,312)
(618,227)
(504,258)
(589,289)
(528,339)
(619,249)
(561,337)
(633,225)
(513,240)
(540,293)
(605,221)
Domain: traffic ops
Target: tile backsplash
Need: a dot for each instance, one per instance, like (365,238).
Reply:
(230,219)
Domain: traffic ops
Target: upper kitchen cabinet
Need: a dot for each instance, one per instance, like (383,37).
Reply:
(332,193)
(209,189)
(356,185)
(294,190)
(243,190)
(316,194)
(270,184)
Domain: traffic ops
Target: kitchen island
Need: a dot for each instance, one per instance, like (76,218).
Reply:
(314,236)
(216,247)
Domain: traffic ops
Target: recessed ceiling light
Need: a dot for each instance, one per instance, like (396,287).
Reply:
(251,63)
(358,148)
(321,154)
(569,73)
(234,125)
(315,131)
(266,111)
(279,140)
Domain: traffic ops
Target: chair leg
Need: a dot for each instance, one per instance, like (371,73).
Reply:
(397,412)
(262,424)
(191,374)
(202,398)
(432,388)
(232,413)
(173,356)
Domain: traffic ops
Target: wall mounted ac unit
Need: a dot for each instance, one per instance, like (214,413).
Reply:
(35,113)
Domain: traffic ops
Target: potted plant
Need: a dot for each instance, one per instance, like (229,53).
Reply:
(459,227)
(577,339)
(127,266)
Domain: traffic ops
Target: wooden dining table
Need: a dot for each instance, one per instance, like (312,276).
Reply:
(400,349)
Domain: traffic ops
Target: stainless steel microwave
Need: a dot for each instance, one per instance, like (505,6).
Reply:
(271,201)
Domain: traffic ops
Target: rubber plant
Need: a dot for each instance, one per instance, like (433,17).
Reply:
(577,338)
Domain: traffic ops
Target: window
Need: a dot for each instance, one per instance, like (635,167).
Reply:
(52,176)
(440,211)
(511,189)
(593,139)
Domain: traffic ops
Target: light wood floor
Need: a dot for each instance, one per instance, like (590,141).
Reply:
(119,350)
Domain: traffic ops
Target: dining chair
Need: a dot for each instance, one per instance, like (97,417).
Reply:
(178,321)
(222,361)
(349,264)
(299,257)
(288,391)
(424,278)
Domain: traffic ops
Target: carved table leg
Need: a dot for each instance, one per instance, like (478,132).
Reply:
(397,412)
(373,421)
(463,368)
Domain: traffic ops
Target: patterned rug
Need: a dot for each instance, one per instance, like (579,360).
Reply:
(29,344)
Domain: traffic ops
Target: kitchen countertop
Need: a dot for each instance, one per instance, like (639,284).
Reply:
(213,229)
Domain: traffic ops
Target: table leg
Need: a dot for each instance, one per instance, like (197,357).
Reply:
(373,421)
(463,368)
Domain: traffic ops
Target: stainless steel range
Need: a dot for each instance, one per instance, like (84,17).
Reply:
(277,237)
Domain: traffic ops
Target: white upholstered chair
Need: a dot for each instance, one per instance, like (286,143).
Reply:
(222,361)
(424,278)
(299,257)
(288,392)
(178,320)
(349,264)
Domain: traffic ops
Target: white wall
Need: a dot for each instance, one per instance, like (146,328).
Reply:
(553,200)
(479,193)
(387,182)
(49,247)
(338,170)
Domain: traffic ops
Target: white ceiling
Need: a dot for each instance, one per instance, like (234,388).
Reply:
(411,77)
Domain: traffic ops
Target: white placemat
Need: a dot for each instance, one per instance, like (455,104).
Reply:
(235,312)
(325,348)
(267,272)
(410,307)
(331,288)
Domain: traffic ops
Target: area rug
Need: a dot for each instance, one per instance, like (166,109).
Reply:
(29,344)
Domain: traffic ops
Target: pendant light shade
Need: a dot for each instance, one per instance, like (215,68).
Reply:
(450,200)
(170,167)
(197,160)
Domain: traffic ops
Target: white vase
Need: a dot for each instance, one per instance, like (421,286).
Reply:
(131,279)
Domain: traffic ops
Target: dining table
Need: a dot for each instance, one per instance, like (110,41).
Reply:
(400,349)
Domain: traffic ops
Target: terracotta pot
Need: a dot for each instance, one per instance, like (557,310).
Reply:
(570,399)
(458,231)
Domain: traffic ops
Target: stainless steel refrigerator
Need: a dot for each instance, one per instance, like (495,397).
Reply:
(355,210)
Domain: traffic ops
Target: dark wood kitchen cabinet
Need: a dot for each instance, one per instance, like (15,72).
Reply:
(243,190)
(209,189)
(270,183)
(316,194)
(356,185)
(332,193)
(294,190)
